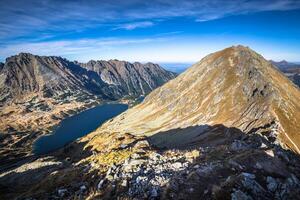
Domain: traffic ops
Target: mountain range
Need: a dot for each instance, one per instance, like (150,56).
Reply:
(226,128)
(245,91)
(291,70)
(54,76)
(36,92)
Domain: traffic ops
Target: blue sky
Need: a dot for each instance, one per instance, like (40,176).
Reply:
(163,31)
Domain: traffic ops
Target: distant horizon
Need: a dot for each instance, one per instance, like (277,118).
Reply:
(168,63)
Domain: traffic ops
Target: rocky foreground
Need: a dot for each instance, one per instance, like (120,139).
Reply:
(241,167)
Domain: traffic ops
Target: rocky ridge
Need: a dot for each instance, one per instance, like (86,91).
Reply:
(243,167)
(37,92)
(187,141)
(127,78)
(246,92)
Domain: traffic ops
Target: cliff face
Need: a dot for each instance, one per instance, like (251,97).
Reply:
(27,74)
(54,76)
(131,79)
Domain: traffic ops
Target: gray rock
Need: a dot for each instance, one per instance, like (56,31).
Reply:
(271,184)
(248,175)
(155,156)
(250,184)
(238,145)
(270,152)
(153,193)
(196,166)
(235,164)
(258,165)
(133,165)
(62,192)
(124,183)
(141,179)
(123,146)
(177,165)
(109,177)
(135,156)
(263,145)
(142,143)
(239,195)
(83,188)
(100,184)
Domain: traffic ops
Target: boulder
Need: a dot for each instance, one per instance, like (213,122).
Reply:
(238,145)
(62,192)
(239,195)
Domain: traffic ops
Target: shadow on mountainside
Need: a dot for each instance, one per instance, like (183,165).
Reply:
(230,164)
(44,173)
(195,137)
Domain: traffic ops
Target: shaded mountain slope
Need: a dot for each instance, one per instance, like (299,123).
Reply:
(127,78)
(235,87)
(291,70)
(46,76)
(53,76)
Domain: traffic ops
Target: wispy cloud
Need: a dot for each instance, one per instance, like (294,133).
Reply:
(75,48)
(52,17)
(134,25)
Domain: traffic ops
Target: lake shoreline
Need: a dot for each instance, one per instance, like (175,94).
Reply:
(28,155)
(79,125)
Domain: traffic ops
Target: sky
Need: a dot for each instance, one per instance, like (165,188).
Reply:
(161,31)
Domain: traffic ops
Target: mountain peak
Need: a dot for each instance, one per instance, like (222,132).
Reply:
(20,56)
(235,87)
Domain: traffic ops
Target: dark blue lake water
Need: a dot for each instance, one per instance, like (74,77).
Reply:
(77,126)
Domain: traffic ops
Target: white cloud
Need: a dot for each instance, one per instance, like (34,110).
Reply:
(74,48)
(168,48)
(134,25)
(23,18)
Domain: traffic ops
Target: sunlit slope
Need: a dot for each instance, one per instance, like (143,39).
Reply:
(235,87)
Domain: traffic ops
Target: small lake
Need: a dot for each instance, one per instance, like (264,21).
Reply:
(77,126)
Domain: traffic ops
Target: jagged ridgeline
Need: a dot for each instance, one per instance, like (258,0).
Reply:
(57,77)
(37,92)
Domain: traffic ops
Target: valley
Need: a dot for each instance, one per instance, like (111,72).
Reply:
(150,100)
(76,126)
(237,139)
(37,92)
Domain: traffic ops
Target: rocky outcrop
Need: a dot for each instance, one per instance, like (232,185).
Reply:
(132,79)
(235,87)
(56,77)
(1,66)
(242,166)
